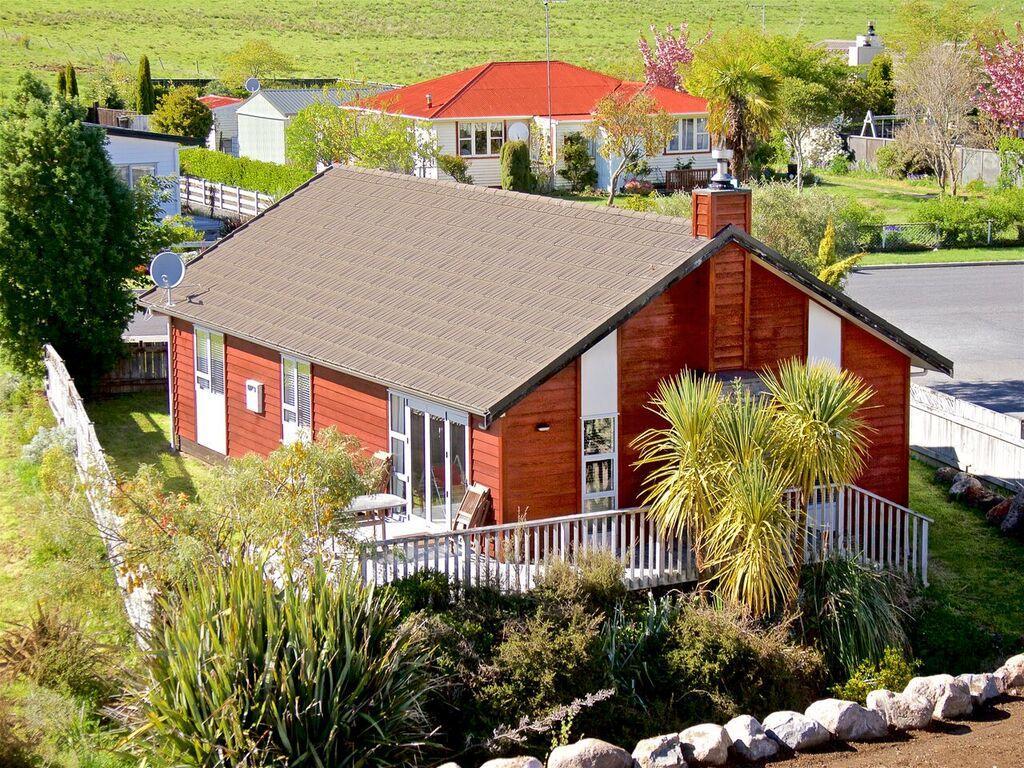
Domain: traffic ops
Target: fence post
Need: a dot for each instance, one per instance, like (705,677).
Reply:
(924,552)
(989,222)
(883,237)
(938,237)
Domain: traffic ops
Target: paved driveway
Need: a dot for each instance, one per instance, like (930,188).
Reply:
(972,315)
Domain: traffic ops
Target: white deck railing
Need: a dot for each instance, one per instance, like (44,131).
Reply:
(843,520)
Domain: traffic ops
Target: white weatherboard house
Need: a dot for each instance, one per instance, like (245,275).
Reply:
(471,113)
(224,133)
(265,115)
(135,154)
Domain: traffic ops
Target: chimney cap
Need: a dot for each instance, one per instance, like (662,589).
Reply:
(722,178)
(430,100)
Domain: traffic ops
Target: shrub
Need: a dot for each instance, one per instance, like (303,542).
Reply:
(33,415)
(17,739)
(724,664)
(892,672)
(54,651)
(181,113)
(456,167)
(961,222)
(897,160)
(638,187)
(677,204)
(579,168)
(822,147)
(1006,210)
(317,671)
(255,175)
(423,590)
(47,439)
(852,612)
(16,390)
(840,165)
(515,167)
(640,203)
(593,577)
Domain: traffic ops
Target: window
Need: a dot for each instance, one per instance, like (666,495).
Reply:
(132,174)
(600,460)
(481,139)
(691,135)
(296,400)
(210,361)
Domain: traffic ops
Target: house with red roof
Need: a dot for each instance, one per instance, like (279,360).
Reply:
(473,112)
(224,133)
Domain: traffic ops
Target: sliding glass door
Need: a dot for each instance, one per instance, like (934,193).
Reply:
(430,445)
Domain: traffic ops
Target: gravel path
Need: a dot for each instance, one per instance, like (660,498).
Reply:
(995,739)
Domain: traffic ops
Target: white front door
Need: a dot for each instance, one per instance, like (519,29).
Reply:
(211,418)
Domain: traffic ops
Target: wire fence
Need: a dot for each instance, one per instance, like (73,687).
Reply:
(925,236)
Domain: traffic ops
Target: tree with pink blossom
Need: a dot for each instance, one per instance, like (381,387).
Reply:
(669,53)
(1002,97)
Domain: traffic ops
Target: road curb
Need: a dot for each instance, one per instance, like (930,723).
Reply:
(939,264)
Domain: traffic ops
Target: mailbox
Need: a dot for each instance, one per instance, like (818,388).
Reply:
(254,396)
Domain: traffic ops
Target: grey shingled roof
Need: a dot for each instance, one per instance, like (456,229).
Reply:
(289,101)
(458,293)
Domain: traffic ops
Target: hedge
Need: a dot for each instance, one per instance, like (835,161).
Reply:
(255,175)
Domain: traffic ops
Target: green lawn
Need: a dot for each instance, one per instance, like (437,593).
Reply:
(133,430)
(943,255)
(976,598)
(394,41)
(892,199)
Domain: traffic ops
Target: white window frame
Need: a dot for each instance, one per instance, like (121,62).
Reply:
(701,140)
(301,431)
(130,173)
(586,459)
(203,350)
(491,137)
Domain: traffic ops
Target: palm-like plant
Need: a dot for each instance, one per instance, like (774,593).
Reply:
(744,94)
(719,470)
(820,436)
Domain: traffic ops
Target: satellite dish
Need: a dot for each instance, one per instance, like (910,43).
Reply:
(167,270)
(252,85)
(518,132)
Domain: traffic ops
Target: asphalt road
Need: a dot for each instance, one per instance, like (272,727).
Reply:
(972,315)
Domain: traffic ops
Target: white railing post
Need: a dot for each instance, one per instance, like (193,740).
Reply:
(924,552)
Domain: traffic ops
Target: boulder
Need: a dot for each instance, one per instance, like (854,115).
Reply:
(1013,673)
(847,720)
(983,687)
(590,753)
(1013,521)
(997,514)
(449,765)
(946,475)
(901,712)
(989,501)
(659,752)
(795,731)
(950,698)
(749,741)
(706,744)
(965,485)
(513,762)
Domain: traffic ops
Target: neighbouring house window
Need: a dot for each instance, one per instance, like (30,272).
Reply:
(600,461)
(132,174)
(691,135)
(481,139)
(210,361)
(296,400)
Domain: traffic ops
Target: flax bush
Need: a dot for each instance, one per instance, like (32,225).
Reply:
(318,671)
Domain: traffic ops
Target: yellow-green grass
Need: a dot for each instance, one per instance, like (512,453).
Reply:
(393,41)
(973,614)
(134,430)
(945,255)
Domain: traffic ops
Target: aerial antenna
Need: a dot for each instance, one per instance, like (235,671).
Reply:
(167,270)
(252,85)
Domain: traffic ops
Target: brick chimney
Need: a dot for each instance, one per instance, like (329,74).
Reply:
(720,204)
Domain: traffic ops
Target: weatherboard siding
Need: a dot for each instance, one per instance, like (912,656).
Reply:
(248,431)
(353,406)
(485,461)
(184,379)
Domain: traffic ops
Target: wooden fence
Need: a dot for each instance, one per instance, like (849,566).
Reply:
(687,179)
(142,369)
(844,520)
(222,198)
(98,481)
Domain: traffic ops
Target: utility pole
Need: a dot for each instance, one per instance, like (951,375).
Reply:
(547,49)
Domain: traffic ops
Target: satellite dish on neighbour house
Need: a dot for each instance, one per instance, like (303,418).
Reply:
(167,271)
(252,85)
(518,132)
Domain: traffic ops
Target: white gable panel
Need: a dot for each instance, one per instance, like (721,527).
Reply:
(824,335)
(599,378)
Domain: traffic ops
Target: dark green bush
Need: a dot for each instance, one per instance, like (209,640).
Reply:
(840,165)
(422,591)
(893,673)
(852,612)
(898,161)
(722,664)
(516,173)
(255,175)
(579,168)
(456,167)
(320,671)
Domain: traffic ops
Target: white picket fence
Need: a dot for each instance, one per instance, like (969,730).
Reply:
(844,520)
(222,197)
(967,436)
(98,481)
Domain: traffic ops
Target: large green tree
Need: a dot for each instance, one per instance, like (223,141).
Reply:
(71,236)
(181,113)
(744,93)
(255,58)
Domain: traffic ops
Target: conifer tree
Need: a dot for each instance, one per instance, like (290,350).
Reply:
(145,101)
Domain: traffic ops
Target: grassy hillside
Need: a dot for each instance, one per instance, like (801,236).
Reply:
(395,40)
